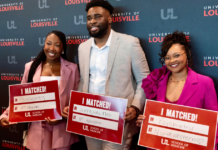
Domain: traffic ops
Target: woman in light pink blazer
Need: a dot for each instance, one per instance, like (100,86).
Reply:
(51,134)
(175,82)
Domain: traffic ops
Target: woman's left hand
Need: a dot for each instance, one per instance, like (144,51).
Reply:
(52,122)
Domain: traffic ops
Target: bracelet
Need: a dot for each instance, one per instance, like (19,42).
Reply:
(136,109)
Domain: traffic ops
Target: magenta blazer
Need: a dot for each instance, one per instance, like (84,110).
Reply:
(69,81)
(198,91)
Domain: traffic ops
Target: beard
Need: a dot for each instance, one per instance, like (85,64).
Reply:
(102,30)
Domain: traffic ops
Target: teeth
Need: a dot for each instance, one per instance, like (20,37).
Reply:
(94,28)
(174,65)
(52,54)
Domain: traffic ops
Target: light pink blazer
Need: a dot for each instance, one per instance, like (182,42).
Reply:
(69,81)
(198,91)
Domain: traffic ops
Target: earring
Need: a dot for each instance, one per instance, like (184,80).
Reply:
(62,52)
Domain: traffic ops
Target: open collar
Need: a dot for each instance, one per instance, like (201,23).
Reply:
(188,89)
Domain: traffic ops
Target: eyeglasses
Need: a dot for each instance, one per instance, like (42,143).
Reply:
(175,57)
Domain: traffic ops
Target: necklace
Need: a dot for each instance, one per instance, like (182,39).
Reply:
(177,81)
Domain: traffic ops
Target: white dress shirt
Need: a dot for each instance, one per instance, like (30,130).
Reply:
(98,66)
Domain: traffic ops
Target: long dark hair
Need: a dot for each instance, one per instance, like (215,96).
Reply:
(41,57)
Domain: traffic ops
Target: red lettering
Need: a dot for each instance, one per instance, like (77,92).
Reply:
(205,64)
(209,63)
(187,38)
(124,18)
(70,2)
(137,17)
(150,41)
(216,12)
(154,39)
(210,13)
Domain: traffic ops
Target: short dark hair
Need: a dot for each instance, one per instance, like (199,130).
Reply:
(101,3)
(175,38)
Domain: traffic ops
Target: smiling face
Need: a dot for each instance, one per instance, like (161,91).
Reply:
(176,58)
(98,21)
(53,48)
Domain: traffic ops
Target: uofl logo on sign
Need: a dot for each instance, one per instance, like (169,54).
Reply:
(169,14)
(76,39)
(12,42)
(27,114)
(164,142)
(13,144)
(47,22)
(125,16)
(210,10)
(210,61)
(159,37)
(11,60)
(11,25)
(33,58)
(11,76)
(11,6)
(41,41)
(42,4)
(13,128)
(73,2)
(79,21)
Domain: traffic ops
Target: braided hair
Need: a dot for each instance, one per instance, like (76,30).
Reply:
(41,57)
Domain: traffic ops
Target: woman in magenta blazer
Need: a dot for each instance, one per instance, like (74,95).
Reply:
(51,63)
(176,82)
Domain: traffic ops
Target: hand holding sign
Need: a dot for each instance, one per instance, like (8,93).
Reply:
(139,120)
(65,113)
(5,123)
(35,101)
(52,122)
(130,114)
(97,116)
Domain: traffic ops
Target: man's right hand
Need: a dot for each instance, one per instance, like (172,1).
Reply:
(65,112)
(5,123)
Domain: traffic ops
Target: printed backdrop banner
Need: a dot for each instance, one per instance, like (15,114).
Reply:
(25,23)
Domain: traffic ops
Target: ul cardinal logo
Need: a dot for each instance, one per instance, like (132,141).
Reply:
(42,4)
(169,14)
(27,114)
(11,60)
(11,25)
(42,41)
(80,20)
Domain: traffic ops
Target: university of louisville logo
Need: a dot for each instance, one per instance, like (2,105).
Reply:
(42,4)
(11,60)
(169,15)
(41,41)
(80,18)
(11,25)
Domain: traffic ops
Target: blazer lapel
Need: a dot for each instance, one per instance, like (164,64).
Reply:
(112,52)
(36,77)
(161,91)
(65,74)
(189,88)
(86,67)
